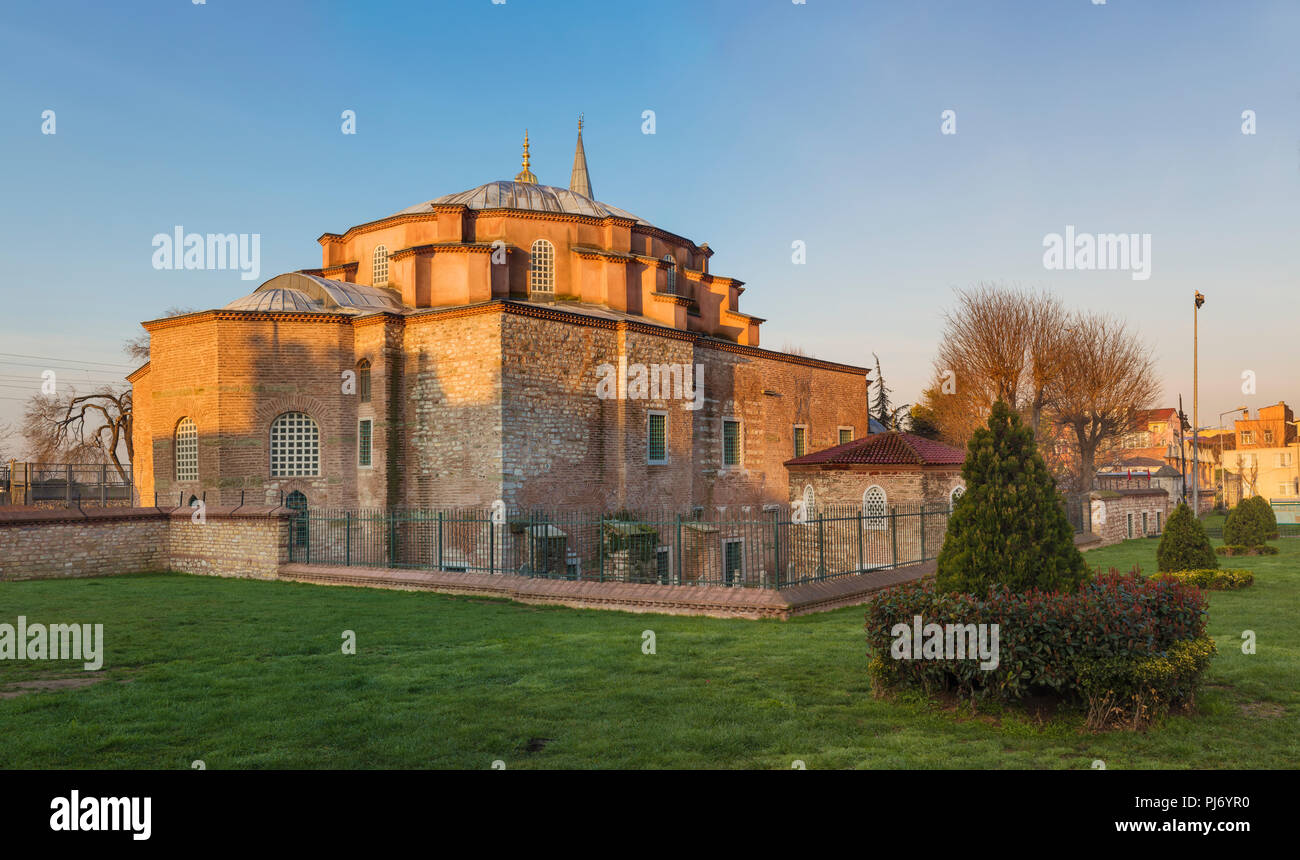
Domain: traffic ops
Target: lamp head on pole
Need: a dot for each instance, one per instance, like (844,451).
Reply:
(1200,300)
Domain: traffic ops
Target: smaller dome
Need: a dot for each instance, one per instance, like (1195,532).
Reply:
(276,300)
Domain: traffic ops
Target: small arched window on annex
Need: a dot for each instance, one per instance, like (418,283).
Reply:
(379,266)
(672,273)
(809,499)
(297,502)
(363,380)
(541,269)
(957,492)
(875,507)
(186,447)
(295,446)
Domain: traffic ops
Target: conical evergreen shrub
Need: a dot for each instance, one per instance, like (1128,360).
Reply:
(1184,545)
(1251,523)
(1009,528)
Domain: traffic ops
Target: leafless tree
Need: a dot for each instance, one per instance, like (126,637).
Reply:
(1111,376)
(90,428)
(137,348)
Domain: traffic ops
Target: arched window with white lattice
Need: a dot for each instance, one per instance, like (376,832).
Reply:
(541,268)
(957,492)
(295,446)
(875,506)
(672,273)
(809,498)
(187,450)
(379,266)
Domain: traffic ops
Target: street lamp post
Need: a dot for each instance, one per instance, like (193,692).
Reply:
(1196,423)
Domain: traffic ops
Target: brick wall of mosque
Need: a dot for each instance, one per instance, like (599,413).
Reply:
(476,405)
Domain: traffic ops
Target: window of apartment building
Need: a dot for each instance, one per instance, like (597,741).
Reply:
(363,380)
(1284,489)
(364,431)
(187,450)
(1248,437)
(800,440)
(295,446)
(656,438)
(541,269)
(733,561)
(730,442)
(1284,459)
(1246,460)
(846,435)
(1268,437)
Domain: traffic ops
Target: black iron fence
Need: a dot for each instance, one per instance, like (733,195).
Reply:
(64,484)
(743,546)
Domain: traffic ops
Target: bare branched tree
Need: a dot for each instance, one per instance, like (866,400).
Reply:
(137,348)
(1111,376)
(90,428)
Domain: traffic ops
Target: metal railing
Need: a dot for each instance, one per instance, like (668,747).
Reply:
(741,546)
(763,548)
(64,484)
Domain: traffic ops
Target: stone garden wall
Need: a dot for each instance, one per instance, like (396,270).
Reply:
(47,544)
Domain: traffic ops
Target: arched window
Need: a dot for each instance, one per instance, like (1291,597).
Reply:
(809,499)
(296,501)
(875,507)
(957,492)
(672,273)
(363,380)
(541,270)
(295,446)
(187,450)
(379,267)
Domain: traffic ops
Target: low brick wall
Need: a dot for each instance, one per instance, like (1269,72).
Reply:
(245,541)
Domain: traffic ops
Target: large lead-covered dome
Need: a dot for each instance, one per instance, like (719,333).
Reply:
(526,196)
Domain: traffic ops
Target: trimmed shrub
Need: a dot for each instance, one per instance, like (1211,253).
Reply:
(1131,692)
(1043,638)
(1009,528)
(1212,580)
(1184,544)
(1251,523)
(1263,549)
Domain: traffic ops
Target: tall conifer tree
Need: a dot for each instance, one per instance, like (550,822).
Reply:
(1008,528)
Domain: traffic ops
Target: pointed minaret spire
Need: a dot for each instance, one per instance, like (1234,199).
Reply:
(526,175)
(580,181)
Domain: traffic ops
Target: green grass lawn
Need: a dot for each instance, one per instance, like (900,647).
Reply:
(245,674)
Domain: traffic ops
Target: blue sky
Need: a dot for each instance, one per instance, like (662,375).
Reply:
(775,122)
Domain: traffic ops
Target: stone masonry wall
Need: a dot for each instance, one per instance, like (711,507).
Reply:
(41,544)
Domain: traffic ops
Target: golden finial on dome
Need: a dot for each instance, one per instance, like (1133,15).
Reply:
(526,175)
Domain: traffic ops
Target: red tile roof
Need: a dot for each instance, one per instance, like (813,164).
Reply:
(892,448)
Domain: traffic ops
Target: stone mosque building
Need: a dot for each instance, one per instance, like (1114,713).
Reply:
(516,341)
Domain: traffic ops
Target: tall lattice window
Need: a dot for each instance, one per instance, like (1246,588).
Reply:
(363,380)
(365,432)
(187,450)
(730,442)
(379,266)
(800,440)
(672,273)
(656,438)
(541,270)
(295,446)
(875,506)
